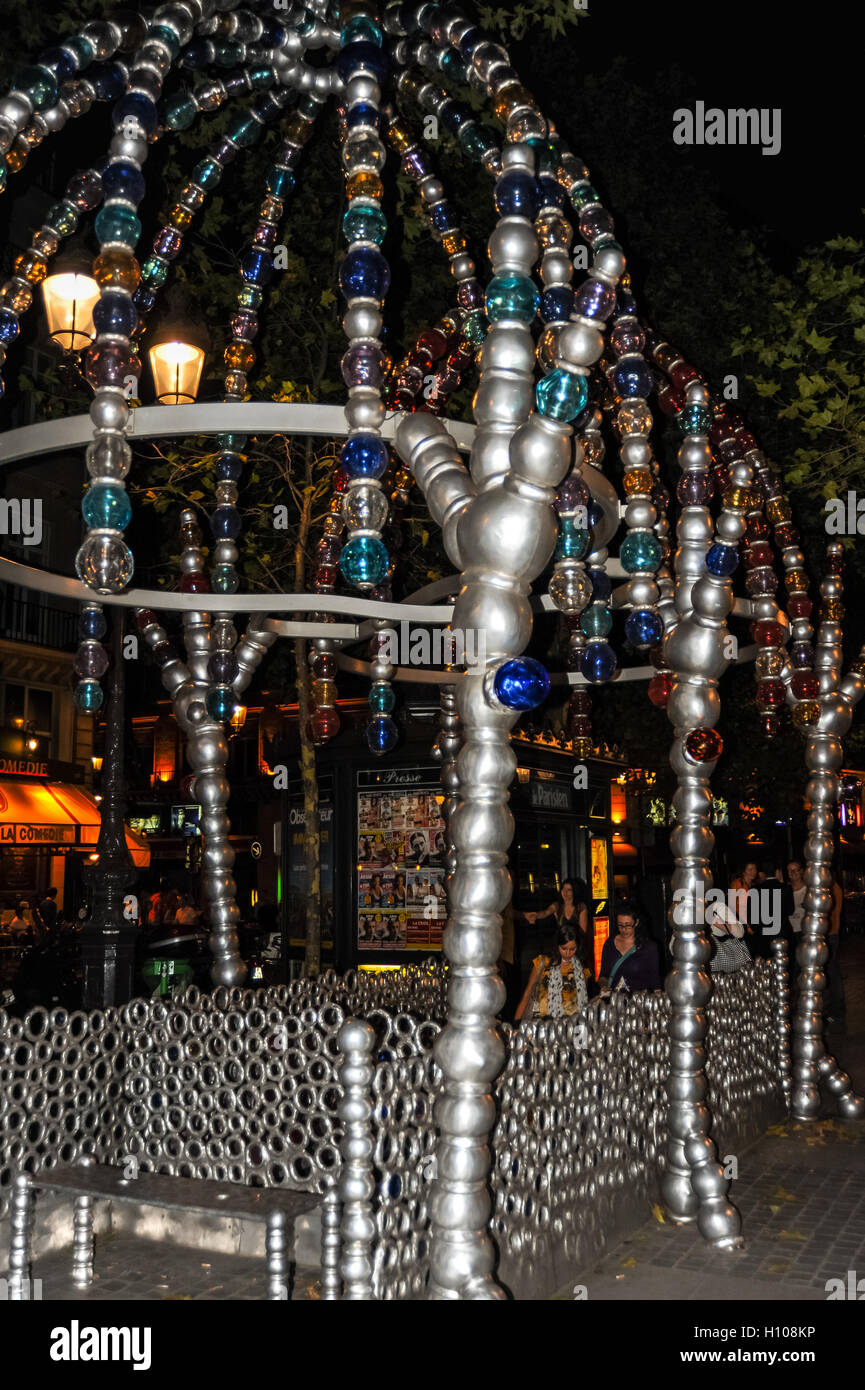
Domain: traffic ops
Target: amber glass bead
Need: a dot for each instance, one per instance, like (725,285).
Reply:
(778,510)
(769,664)
(271,210)
(235,383)
(704,745)
(806,714)
(770,724)
(511,99)
(399,137)
(554,233)
(296,130)
(192,196)
(640,480)
(31,267)
(336,504)
(364,185)
(582,747)
(796,581)
(17,297)
(180,216)
(833,609)
(117,269)
(239,357)
(858,666)
(739,497)
(453,243)
(16,158)
(403,478)
(548,346)
(45,242)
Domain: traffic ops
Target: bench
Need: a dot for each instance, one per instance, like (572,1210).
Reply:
(278,1208)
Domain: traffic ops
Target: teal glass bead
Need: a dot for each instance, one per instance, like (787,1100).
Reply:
(382,698)
(562,394)
(106,507)
(694,419)
(207,173)
(548,152)
(246,133)
(234,442)
(573,542)
(82,48)
(181,112)
(361,29)
(224,579)
(512,297)
(226,55)
(596,620)
(364,560)
(116,222)
(262,78)
(583,195)
(166,36)
(38,85)
(154,271)
(453,64)
(640,553)
(2,175)
(62,218)
(250,297)
(221,702)
(364,224)
(88,696)
(475,139)
(279,182)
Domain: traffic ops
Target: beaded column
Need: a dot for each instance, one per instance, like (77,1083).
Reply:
(782,1016)
(331,1244)
(356,1187)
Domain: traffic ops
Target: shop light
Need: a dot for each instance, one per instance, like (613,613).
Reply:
(69,296)
(176,361)
(97,763)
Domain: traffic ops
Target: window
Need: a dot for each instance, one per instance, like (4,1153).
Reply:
(24,705)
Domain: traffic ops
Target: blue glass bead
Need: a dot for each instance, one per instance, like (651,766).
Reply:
(454,116)
(364,560)
(115,313)
(256,267)
(121,179)
(596,514)
(279,182)
(180,112)
(9,327)
(557,304)
(364,456)
(512,297)
(583,195)
(602,585)
(381,735)
(38,84)
(521,683)
(694,419)
(82,49)
(221,702)
(91,623)
(453,64)
(548,152)
(469,41)
(364,224)
(382,698)
(137,106)
(106,506)
(88,696)
(225,523)
(60,62)
(644,627)
(250,297)
(118,223)
(640,553)
(596,620)
(207,174)
(266,108)
(517,195)
(364,274)
(442,217)
(225,55)
(361,29)
(246,133)
(196,54)
(632,377)
(573,541)
(361,57)
(224,579)
(562,394)
(144,298)
(363,114)
(550,193)
(228,467)
(722,559)
(598,662)
(272,34)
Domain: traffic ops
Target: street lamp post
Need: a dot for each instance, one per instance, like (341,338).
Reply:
(108,940)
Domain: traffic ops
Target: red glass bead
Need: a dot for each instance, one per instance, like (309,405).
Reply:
(756,555)
(768,634)
(419,359)
(746,441)
(660,687)
(670,401)
(799,606)
(786,535)
(434,342)
(722,429)
(834,562)
(460,361)
(580,726)
(758,529)
(194,584)
(770,725)
(323,666)
(580,702)
(323,725)
(681,374)
(771,694)
(657,658)
(704,745)
(805,685)
(325,575)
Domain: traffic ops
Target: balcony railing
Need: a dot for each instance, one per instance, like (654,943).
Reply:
(28,620)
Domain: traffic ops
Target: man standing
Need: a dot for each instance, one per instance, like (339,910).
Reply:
(776,907)
(46,912)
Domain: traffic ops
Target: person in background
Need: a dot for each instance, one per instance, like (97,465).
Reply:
(835,1003)
(746,902)
(187,914)
(729,952)
(776,905)
(557,986)
(46,911)
(156,906)
(629,959)
(170,904)
(571,908)
(796,880)
(19,928)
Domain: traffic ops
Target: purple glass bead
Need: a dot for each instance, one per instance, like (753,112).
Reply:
(244,324)
(762,581)
(222,667)
(328,550)
(572,493)
(627,337)
(168,243)
(595,222)
(728,451)
(470,295)
(415,165)
(84,191)
(108,364)
(695,489)
(594,300)
(363,366)
(801,655)
(410,379)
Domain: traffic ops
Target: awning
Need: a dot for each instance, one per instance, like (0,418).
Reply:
(42,813)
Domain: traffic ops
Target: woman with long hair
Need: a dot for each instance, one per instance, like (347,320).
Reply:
(557,986)
(629,960)
(571,908)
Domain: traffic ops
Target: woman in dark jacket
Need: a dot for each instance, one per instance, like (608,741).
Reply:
(629,959)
